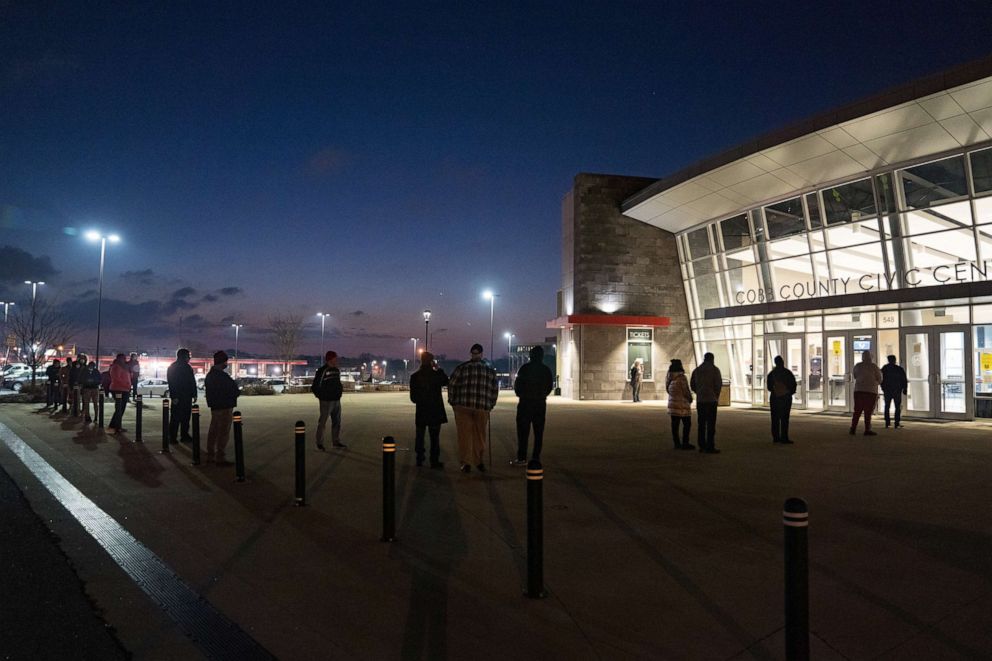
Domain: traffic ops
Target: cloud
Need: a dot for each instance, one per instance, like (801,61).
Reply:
(328,160)
(183,293)
(231,291)
(195,322)
(356,313)
(145,277)
(17,265)
(209,298)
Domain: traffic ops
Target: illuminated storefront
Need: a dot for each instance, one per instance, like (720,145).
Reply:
(867,228)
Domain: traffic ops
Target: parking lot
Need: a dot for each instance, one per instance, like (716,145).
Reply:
(649,552)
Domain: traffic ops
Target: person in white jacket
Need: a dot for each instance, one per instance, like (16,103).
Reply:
(867,379)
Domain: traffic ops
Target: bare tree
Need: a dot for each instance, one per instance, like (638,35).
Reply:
(38,328)
(285,338)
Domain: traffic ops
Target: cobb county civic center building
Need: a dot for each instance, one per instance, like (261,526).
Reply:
(865,228)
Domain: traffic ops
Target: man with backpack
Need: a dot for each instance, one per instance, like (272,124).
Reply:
(781,387)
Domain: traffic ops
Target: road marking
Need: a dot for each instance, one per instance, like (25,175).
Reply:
(214,634)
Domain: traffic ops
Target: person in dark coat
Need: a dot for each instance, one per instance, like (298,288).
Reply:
(51,397)
(135,368)
(327,388)
(894,386)
(533,385)
(222,397)
(182,390)
(89,381)
(425,391)
(75,370)
(706,381)
(781,384)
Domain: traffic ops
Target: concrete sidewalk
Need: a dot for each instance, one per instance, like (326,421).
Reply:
(649,552)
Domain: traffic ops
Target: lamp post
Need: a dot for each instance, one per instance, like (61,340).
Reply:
(414,340)
(237,332)
(93,235)
(509,355)
(6,305)
(323,316)
(491,297)
(34,344)
(427,328)
(384,377)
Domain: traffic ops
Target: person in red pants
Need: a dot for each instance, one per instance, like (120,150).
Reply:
(867,379)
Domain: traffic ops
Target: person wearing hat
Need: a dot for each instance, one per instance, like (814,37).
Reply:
(472,393)
(182,390)
(533,385)
(326,387)
(679,404)
(222,397)
(425,391)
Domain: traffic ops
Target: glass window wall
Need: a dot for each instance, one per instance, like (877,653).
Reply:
(931,183)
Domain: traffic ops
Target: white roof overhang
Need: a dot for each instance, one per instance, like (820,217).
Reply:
(842,144)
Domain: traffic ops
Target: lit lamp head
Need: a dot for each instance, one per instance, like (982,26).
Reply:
(488,295)
(427,315)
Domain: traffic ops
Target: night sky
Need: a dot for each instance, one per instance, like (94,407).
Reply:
(370,160)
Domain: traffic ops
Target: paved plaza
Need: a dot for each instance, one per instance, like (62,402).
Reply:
(649,552)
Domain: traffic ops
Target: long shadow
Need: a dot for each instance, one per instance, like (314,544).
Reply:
(435,544)
(90,438)
(719,614)
(139,464)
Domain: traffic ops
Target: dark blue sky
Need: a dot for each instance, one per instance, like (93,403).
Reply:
(372,160)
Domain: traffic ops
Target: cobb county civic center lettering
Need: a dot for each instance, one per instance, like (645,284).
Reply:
(959,272)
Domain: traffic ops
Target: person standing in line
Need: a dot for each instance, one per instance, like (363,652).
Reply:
(706,381)
(636,377)
(472,393)
(135,367)
(51,397)
(679,404)
(425,391)
(222,397)
(75,369)
(89,380)
(781,385)
(533,385)
(327,388)
(120,388)
(64,383)
(894,386)
(867,379)
(182,390)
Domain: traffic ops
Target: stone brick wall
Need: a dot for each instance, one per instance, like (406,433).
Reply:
(625,267)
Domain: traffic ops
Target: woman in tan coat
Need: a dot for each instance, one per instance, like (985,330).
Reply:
(679,404)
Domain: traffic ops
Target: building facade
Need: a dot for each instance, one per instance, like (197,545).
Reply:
(866,228)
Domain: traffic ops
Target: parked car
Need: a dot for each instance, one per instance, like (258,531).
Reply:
(153,388)
(277,384)
(246,380)
(15,383)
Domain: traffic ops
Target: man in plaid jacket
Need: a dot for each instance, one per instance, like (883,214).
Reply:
(472,392)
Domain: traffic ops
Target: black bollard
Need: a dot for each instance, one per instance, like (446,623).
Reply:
(165,426)
(99,413)
(795,516)
(137,420)
(535,530)
(388,489)
(301,464)
(75,401)
(64,396)
(196,434)
(239,448)
(166,409)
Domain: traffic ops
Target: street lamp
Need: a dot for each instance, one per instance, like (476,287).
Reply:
(6,305)
(509,354)
(414,340)
(34,345)
(427,327)
(491,297)
(93,235)
(237,331)
(322,316)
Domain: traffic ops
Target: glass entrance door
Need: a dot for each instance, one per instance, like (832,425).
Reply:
(791,348)
(843,349)
(938,366)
